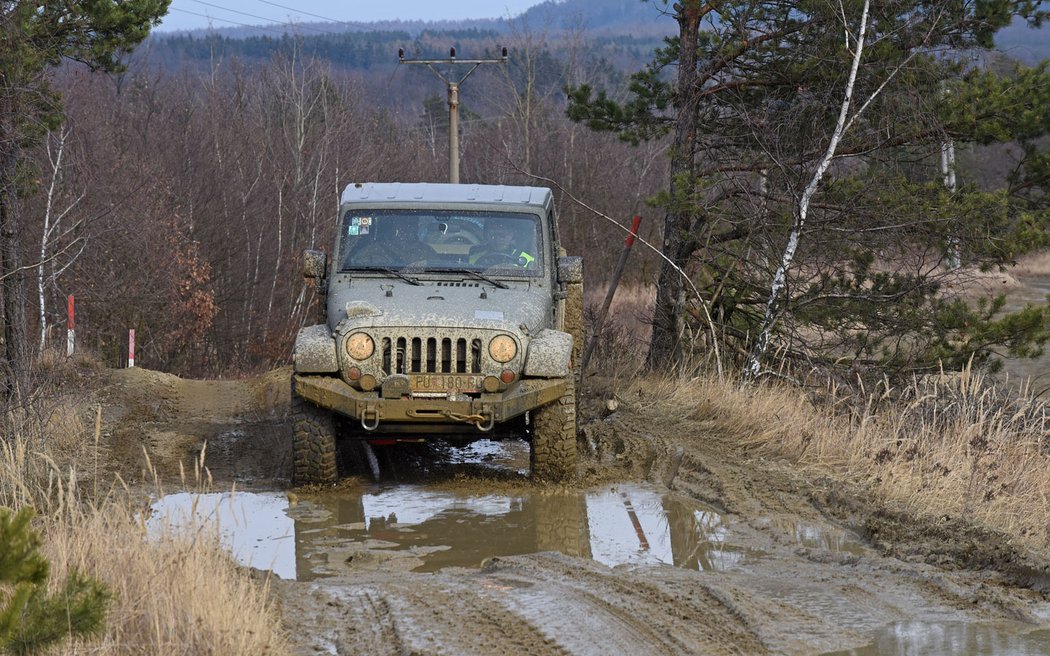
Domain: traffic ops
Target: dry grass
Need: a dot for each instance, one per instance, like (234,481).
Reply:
(625,333)
(174,594)
(1035,264)
(945,445)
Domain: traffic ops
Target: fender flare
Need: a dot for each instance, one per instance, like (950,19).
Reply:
(549,354)
(315,351)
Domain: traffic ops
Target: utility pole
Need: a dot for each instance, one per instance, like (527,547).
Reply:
(453,97)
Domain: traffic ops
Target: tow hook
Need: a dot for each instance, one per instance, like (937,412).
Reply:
(373,412)
(487,426)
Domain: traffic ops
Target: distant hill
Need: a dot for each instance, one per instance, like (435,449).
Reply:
(1022,42)
(621,33)
(601,17)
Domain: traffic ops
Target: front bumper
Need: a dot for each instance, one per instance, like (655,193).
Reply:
(375,412)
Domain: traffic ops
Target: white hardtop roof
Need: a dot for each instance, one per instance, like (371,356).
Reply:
(429,192)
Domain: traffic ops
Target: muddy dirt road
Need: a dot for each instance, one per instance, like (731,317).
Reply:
(456,552)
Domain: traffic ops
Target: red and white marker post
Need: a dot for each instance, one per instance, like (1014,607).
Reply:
(131,348)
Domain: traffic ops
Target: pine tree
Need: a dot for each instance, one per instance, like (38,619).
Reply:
(30,619)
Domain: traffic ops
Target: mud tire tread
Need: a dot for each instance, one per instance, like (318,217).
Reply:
(553,455)
(313,443)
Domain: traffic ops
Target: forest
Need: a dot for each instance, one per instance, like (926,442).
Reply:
(177,201)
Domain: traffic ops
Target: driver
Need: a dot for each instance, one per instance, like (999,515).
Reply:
(499,248)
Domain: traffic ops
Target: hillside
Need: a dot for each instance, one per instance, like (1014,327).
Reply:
(618,32)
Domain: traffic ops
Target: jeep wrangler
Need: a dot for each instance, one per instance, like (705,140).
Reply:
(450,310)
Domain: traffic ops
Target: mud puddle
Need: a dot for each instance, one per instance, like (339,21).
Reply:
(411,527)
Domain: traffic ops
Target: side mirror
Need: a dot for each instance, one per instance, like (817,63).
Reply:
(570,270)
(315,264)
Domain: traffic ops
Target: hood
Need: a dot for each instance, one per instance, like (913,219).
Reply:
(365,302)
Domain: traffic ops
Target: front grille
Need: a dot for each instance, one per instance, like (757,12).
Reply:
(431,355)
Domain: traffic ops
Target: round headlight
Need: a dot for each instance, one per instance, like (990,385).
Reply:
(502,348)
(359,346)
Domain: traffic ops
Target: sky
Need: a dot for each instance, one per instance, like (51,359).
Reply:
(200,14)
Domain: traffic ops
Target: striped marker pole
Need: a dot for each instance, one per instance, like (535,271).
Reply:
(131,348)
(70,327)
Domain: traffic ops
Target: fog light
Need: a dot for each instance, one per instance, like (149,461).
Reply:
(490,384)
(353,373)
(368,382)
(507,376)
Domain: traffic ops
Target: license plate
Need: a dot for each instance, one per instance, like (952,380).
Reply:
(445,382)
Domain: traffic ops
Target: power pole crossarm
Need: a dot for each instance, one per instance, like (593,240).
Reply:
(453,97)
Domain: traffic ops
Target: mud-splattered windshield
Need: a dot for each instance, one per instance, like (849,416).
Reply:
(429,240)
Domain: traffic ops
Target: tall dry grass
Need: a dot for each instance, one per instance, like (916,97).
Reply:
(173,593)
(953,444)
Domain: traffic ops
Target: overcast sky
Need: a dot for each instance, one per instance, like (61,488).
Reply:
(195,14)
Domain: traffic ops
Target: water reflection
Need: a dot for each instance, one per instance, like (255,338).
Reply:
(254,527)
(914,638)
(426,530)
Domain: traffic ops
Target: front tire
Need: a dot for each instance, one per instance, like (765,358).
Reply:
(553,454)
(313,444)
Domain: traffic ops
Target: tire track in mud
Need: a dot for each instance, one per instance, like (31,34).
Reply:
(542,605)
(461,613)
(628,613)
(371,624)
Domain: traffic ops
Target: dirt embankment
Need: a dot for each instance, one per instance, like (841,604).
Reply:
(790,564)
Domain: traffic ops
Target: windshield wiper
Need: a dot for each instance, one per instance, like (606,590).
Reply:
(475,274)
(387,270)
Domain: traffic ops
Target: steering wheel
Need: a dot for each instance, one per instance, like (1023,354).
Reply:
(498,259)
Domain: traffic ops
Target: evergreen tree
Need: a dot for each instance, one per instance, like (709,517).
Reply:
(30,619)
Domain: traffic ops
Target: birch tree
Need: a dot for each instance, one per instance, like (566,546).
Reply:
(856,44)
(56,254)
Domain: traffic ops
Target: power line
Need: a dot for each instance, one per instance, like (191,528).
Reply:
(262,18)
(224,20)
(304,13)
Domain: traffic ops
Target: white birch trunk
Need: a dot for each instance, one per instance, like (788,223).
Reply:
(52,225)
(758,352)
(952,257)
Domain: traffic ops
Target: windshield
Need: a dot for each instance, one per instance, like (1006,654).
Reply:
(496,243)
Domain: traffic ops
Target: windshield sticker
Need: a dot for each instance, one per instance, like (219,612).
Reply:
(364,229)
(365,220)
(353,230)
(488,315)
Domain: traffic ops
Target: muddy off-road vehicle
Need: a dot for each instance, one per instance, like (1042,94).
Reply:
(451,311)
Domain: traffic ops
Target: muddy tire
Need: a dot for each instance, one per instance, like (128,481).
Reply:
(574,321)
(553,454)
(313,443)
